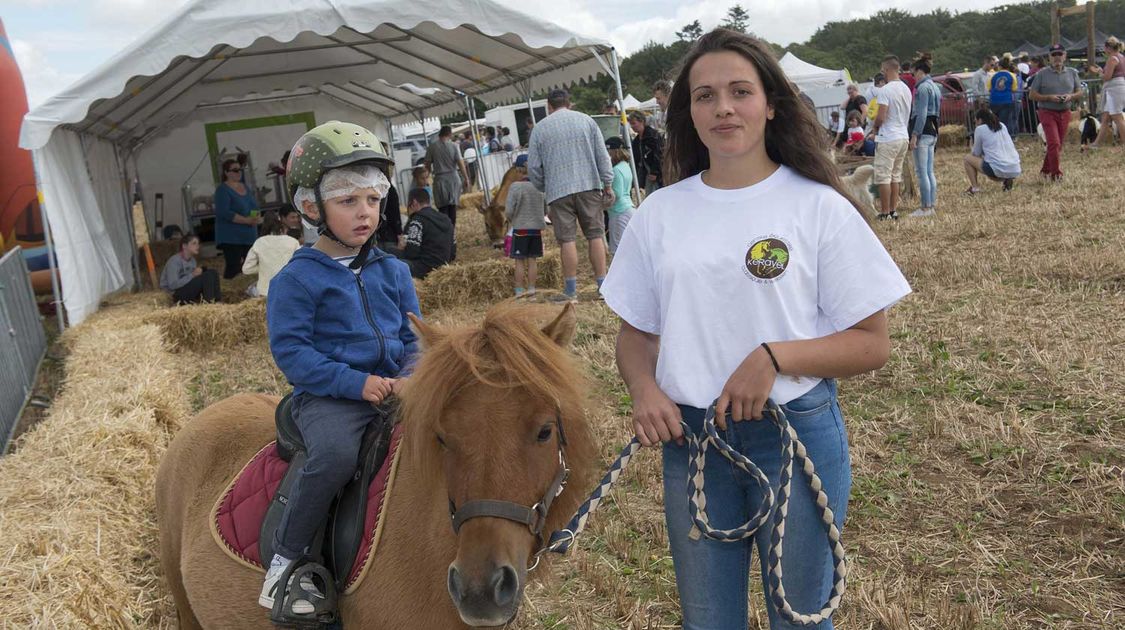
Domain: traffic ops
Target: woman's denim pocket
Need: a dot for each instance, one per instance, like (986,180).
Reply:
(813,402)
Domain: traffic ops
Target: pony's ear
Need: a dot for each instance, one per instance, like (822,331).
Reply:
(561,331)
(430,335)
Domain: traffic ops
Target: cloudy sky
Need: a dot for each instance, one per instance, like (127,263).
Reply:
(58,41)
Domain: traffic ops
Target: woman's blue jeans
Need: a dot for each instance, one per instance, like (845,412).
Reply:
(924,168)
(713,577)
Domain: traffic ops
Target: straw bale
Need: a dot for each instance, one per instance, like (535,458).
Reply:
(482,282)
(952,136)
(80,539)
(211,326)
(471,201)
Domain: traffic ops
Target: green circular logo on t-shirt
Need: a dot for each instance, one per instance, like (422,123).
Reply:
(767,258)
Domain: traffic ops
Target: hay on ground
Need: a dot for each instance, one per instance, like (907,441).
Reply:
(483,282)
(76,494)
(205,327)
(471,201)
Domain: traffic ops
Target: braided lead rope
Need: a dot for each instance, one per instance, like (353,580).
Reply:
(561,540)
(792,447)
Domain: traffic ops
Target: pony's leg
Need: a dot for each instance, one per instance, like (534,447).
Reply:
(223,594)
(176,586)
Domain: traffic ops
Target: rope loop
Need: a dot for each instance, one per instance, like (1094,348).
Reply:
(773,503)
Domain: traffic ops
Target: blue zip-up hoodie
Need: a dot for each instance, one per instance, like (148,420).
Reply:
(330,328)
(927,102)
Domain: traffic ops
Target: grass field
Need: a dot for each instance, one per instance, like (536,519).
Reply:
(988,455)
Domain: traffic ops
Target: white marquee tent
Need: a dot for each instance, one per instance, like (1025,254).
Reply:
(152,112)
(824,86)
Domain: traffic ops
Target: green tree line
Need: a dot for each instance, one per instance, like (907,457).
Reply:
(958,41)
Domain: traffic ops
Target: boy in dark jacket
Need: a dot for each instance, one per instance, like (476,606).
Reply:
(338,326)
(429,236)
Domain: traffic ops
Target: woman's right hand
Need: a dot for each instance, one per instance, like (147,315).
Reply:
(656,419)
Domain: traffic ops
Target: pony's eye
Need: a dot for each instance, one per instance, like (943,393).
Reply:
(440,441)
(544,433)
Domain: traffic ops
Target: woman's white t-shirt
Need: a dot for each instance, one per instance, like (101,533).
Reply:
(716,272)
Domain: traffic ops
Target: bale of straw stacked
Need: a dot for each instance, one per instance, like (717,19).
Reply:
(204,327)
(79,536)
(952,136)
(484,282)
(471,201)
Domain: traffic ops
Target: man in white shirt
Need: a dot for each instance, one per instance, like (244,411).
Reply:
(891,137)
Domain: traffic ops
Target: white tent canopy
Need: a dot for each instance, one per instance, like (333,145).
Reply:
(827,88)
(809,77)
(390,60)
(630,102)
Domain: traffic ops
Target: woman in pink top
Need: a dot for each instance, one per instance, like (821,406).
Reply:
(1113,91)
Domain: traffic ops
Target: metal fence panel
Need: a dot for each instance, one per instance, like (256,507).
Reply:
(23,342)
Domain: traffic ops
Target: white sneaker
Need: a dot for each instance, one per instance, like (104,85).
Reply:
(923,212)
(273,580)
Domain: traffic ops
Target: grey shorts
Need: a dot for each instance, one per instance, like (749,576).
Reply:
(579,209)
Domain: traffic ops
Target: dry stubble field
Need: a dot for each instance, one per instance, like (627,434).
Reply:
(988,454)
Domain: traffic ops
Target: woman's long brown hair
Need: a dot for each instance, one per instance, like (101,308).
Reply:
(793,138)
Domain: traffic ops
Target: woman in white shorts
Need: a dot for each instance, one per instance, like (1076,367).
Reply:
(1113,92)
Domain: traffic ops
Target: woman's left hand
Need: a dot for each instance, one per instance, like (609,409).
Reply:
(747,390)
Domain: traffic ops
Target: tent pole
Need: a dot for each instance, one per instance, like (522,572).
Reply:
(530,108)
(471,108)
(60,308)
(129,212)
(624,122)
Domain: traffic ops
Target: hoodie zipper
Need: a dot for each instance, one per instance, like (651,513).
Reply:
(367,312)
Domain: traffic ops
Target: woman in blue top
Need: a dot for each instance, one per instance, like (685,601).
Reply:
(923,135)
(236,218)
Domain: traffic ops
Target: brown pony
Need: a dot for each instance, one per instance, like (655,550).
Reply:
(495,223)
(479,419)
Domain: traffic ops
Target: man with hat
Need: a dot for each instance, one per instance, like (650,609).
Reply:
(1054,88)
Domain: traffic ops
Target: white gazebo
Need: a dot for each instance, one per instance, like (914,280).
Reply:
(826,87)
(161,106)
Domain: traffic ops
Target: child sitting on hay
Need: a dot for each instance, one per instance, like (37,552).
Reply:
(338,326)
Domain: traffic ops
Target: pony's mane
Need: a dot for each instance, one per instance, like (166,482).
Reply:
(507,350)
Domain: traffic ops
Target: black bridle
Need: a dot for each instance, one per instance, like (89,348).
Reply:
(534,517)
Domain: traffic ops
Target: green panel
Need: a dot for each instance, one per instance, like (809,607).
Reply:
(214,129)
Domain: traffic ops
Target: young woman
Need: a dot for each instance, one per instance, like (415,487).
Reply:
(923,135)
(1113,91)
(751,277)
(236,218)
(621,212)
(993,154)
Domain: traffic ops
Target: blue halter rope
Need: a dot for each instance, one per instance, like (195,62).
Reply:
(792,448)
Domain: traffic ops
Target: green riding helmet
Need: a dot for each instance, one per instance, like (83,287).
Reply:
(328,146)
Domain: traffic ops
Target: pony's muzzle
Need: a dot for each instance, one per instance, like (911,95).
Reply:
(491,601)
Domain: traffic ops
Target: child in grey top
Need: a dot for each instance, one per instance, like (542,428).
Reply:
(524,208)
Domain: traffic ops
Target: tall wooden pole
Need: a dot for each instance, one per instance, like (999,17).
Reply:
(1091,45)
(1056,36)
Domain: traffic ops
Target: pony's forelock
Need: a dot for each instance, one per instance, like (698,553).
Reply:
(506,351)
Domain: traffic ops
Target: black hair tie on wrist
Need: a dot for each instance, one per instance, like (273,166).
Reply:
(773,359)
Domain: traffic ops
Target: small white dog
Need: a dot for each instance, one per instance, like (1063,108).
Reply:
(858,184)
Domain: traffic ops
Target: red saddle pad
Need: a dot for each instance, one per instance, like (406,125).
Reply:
(238,515)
